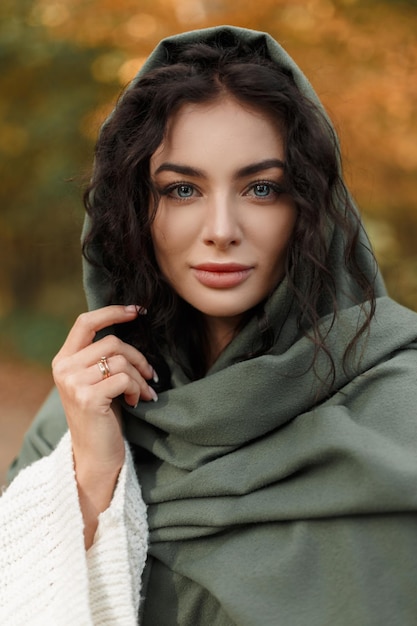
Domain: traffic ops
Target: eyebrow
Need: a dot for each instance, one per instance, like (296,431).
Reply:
(247,170)
(254,168)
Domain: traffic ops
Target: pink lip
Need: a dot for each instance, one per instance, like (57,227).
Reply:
(221,275)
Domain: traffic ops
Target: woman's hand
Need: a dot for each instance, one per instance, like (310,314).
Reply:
(89,376)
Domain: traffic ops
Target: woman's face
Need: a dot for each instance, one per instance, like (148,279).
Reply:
(224,221)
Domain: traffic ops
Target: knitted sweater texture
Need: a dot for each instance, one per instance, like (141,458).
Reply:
(46,576)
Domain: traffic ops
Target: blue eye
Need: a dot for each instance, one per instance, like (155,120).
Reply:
(184,191)
(265,190)
(262,190)
(179,191)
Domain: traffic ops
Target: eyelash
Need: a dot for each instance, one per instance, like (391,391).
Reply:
(166,191)
(276,188)
(169,189)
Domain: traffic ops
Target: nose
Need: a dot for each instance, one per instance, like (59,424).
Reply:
(222,224)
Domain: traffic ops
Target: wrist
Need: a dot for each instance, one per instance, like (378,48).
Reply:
(96,482)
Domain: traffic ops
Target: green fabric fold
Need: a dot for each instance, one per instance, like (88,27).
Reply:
(256,488)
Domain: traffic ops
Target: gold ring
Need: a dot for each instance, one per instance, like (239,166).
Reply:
(104,367)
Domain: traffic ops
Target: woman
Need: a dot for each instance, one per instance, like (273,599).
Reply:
(230,281)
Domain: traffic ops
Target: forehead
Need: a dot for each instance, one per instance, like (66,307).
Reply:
(225,132)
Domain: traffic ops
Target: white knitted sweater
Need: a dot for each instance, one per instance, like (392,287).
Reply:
(46,576)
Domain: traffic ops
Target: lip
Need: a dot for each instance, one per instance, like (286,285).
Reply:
(221,275)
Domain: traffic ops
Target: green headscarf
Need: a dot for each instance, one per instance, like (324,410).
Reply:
(269,502)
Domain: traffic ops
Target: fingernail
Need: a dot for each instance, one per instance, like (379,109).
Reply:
(155,376)
(153,394)
(135,308)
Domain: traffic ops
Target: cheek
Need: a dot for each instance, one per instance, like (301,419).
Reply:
(174,232)
(162,249)
(274,236)
(169,243)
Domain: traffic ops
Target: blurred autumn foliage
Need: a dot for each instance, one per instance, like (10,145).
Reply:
(63,63)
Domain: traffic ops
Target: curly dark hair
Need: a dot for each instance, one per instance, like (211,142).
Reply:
(121,194)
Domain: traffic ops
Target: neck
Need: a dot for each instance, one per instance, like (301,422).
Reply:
(220,332)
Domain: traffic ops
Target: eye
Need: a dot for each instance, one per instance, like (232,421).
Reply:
(182,191)
(179,191)
(262,190)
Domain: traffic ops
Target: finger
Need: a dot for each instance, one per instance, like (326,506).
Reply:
(130,387)
(109,347)
(88,324)
(94,374)
(115,365)
(119,365)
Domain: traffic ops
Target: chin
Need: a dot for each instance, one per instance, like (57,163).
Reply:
(223,311)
